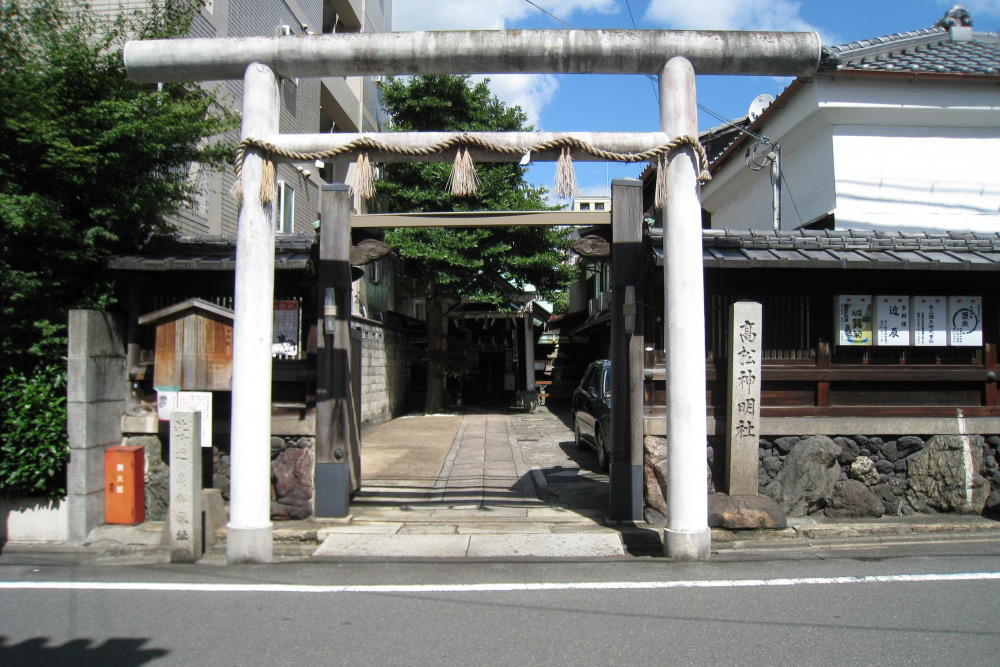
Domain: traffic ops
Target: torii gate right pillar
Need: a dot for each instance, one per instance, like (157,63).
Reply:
(687,535)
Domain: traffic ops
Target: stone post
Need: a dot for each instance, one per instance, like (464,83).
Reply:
(744,398)
(249,534)
(334,452)
(529,352)
(687,535)
(625,474)
(185,522)
(95,401)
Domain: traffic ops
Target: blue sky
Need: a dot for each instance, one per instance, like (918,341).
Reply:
(628,103)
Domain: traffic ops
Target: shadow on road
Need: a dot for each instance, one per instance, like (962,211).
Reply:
(117,652)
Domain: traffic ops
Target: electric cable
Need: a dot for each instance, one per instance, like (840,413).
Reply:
(550,14)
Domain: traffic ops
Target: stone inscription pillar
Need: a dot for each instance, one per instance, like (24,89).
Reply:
(744,398)
(185,487)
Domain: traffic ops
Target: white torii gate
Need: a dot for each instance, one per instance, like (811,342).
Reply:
(675,56)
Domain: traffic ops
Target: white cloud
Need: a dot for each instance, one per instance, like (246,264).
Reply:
(454,14)
(731,15)
(531,92)
(478,15)
(977,8)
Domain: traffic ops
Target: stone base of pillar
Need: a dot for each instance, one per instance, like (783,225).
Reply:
(333,490)
(687,545)
(625,501)
(85,511)
(249,545)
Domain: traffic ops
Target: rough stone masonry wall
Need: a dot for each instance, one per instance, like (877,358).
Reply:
(870,476)
(856,476)
(292,463)
(385,373)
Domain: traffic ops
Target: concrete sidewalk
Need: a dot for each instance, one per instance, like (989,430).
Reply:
(502,485)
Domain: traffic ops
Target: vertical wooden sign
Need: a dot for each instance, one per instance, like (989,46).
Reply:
(930,318)
(965,319)
(854,319)
(743,430)
(893,316)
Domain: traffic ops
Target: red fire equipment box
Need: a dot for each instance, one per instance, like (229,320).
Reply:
(124,485)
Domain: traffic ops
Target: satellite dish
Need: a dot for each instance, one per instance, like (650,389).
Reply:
(758,105)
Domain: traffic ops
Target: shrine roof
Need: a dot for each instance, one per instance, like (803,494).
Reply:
(292,252)
(846,249)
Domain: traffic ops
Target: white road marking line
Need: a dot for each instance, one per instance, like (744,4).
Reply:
(488,588)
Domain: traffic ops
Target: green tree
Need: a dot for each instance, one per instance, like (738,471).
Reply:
(478,264)
(91,164)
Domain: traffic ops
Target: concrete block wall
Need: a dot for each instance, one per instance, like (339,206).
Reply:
(96,389)
(385,372)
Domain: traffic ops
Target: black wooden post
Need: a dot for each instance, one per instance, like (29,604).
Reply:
(626,479)
(334,453)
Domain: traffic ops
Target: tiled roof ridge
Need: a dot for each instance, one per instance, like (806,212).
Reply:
(850,233)
(951,46)
(861,48)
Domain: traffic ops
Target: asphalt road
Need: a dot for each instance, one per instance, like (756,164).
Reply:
(937,604)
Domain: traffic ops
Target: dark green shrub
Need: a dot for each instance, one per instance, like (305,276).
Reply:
(34,447)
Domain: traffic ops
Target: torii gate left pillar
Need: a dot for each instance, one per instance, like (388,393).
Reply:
(249,533)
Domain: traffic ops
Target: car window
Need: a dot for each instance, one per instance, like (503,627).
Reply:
(587,376)
(607,381)
(594,386)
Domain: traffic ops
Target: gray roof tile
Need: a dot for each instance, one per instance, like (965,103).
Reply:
(959,51)
(847,249)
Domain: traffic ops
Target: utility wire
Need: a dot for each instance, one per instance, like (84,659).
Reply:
(653,80)
(759,137)
(545,11)
(791,196)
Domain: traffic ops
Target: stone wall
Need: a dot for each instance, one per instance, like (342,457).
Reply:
(861,476)
(385,372)
(853,476)
(292,468)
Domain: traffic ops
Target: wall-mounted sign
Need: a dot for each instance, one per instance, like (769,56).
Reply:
(854,319)
(166,401)
(200,401)
(892,315)
(930,319)
(285,334)
(169,400)
(965,321)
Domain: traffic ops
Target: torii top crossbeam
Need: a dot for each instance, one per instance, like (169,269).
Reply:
(476,52)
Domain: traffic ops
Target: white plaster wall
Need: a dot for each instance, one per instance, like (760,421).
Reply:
(739,198)
(33,521)
(917,178)
(881,153)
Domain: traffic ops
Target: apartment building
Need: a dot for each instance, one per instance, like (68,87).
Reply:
(331,104)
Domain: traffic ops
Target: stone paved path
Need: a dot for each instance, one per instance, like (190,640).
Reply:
(511,484)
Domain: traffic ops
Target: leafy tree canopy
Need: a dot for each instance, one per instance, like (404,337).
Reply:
(474,263)
(91,163)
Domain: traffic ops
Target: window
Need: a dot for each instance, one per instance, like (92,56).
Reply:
(599,206)
(375,272)
(584,206)
(285,223)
